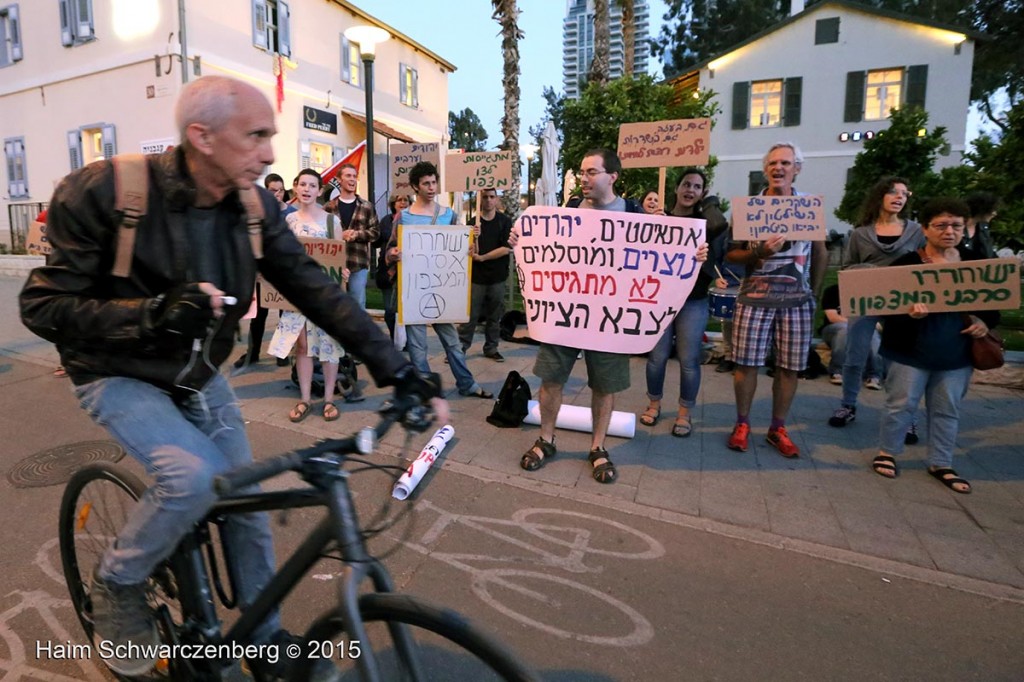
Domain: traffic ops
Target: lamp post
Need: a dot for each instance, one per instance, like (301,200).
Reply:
(367,38)
(531,151)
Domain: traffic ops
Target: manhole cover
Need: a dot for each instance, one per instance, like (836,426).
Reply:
(57,465)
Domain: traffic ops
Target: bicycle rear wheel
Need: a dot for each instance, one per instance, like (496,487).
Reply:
(94,508)
(448,647)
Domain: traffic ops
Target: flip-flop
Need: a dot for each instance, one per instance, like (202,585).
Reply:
(303,407)
(948,477)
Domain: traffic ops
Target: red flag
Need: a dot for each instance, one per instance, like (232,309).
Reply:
(279,73)
(354,157)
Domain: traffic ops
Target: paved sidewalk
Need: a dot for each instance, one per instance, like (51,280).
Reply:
(826,503)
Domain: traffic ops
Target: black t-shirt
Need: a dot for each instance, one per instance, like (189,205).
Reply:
(345,211)
(494,234)
(830,301)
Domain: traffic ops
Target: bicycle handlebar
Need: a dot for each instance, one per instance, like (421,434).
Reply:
(409,410)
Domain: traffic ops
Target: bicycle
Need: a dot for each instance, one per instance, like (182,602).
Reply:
(376,636)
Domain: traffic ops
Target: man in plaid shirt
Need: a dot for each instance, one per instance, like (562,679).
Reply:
(359,225)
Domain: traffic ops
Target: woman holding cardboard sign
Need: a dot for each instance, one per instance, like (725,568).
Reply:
(687,330)
(310,220)
(930,356)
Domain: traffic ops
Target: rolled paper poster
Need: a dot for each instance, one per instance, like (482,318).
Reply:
(576,418)
(408,481)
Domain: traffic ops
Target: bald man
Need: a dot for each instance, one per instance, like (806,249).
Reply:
(143,350)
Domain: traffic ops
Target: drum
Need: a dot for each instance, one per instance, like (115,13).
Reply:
(722,302)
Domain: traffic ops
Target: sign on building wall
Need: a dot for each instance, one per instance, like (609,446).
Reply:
(319,120)
(157,146)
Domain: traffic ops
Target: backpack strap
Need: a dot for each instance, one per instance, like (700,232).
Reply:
(254,215)
(131,194)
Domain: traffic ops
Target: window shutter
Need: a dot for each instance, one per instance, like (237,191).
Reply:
(284,29)
(755,182)
(415,88)
(740,105)
(854,111)
(259,24)
(75,148)
(792,93)
(83,20)
(11,179)
(20,175)
(109,141)
(917,85)
(304,160)
(346,65)
(15,37)
(401,84)
(826,31)
(67,34)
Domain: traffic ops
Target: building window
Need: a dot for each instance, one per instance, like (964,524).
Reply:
(271,26)
(91,143)
(765,104)
(408,86)
(882,93)
(826,31)
(318,155)
(756,182)
(17,177)
(77,25)
(350,63)
(10,35)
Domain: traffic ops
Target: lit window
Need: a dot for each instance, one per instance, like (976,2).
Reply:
(408,82)
(765,104)
(882,93)
(350,61)
(91,143)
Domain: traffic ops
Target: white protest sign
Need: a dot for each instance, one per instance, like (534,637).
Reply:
(405,156)
(433,274)
(798,217)
(603,280)
(474,171)
(992,284)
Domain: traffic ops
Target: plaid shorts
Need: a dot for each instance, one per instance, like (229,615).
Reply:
(790,328)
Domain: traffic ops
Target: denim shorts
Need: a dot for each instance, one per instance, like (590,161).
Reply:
(606,372)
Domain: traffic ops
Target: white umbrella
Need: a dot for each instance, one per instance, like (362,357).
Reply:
(546,193)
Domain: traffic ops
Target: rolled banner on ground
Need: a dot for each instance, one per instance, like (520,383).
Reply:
(408,481)
(576,418)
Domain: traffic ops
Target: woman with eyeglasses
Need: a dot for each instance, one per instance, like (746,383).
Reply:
(884,236)
(687,330)
(930,356)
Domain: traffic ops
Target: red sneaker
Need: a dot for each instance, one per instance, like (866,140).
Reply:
(738,439)
(780,440)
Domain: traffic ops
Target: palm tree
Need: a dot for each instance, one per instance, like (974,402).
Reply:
(506,13)
(628,37)
(602,38)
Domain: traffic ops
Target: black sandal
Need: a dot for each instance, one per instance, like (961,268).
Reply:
(885,466)
(480,393)
(605,471)
(531,461)
(949,478)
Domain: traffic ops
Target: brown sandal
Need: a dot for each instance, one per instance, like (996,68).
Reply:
(329,405)
(605,471)
(651,415)
(299,412)
(531,460)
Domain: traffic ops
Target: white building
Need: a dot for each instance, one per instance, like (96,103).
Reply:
(82,80)
(578,42)
(826,79)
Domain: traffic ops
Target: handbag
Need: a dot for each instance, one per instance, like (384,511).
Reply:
(513,402)
(987,351)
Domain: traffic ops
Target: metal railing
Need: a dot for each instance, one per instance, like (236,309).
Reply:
(19,217)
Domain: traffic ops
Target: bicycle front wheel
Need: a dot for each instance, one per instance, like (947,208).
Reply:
(446,646)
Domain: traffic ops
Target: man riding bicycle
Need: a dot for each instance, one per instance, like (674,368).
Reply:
(143,344)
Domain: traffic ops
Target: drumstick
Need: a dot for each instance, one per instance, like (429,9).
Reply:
(719,273)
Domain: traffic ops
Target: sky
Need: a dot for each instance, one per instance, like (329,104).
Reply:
(463,32)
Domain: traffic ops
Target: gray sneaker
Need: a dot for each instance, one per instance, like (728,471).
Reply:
(121,615)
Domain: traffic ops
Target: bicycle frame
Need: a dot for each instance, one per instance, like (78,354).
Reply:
(330,489)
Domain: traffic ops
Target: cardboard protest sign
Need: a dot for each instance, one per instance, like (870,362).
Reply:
(433,274)
(603,280)
(474,171)
(992,284)
(798,217)
(405,156)
(682,142)
(36,243)
(329,253)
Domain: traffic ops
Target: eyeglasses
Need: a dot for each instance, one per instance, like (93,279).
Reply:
(590,172)
(905,193)
(942,227)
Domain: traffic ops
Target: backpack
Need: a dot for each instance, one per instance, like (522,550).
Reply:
(513,402)
(348,380)
(131,197)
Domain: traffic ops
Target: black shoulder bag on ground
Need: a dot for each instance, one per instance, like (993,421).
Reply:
(513,402)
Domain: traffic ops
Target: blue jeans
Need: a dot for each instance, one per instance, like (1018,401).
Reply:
(416,344)
(687,330)
(487,300)
(357,286)
(862,341)
(943,391)
(183,447)
(834,335)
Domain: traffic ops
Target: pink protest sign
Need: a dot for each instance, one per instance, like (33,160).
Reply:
(603,280)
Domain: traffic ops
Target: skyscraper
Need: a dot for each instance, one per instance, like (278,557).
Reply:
(578,42)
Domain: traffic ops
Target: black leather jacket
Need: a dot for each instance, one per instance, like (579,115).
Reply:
(96,319)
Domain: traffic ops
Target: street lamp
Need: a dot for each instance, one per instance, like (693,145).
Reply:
(531,151)
(367,38)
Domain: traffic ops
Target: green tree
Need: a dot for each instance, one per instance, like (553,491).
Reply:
(601,63)
(906,149)
(506,13)
(998,165)
(466,131)
(593,120)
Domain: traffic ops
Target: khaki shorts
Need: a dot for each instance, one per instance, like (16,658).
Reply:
(606,372)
